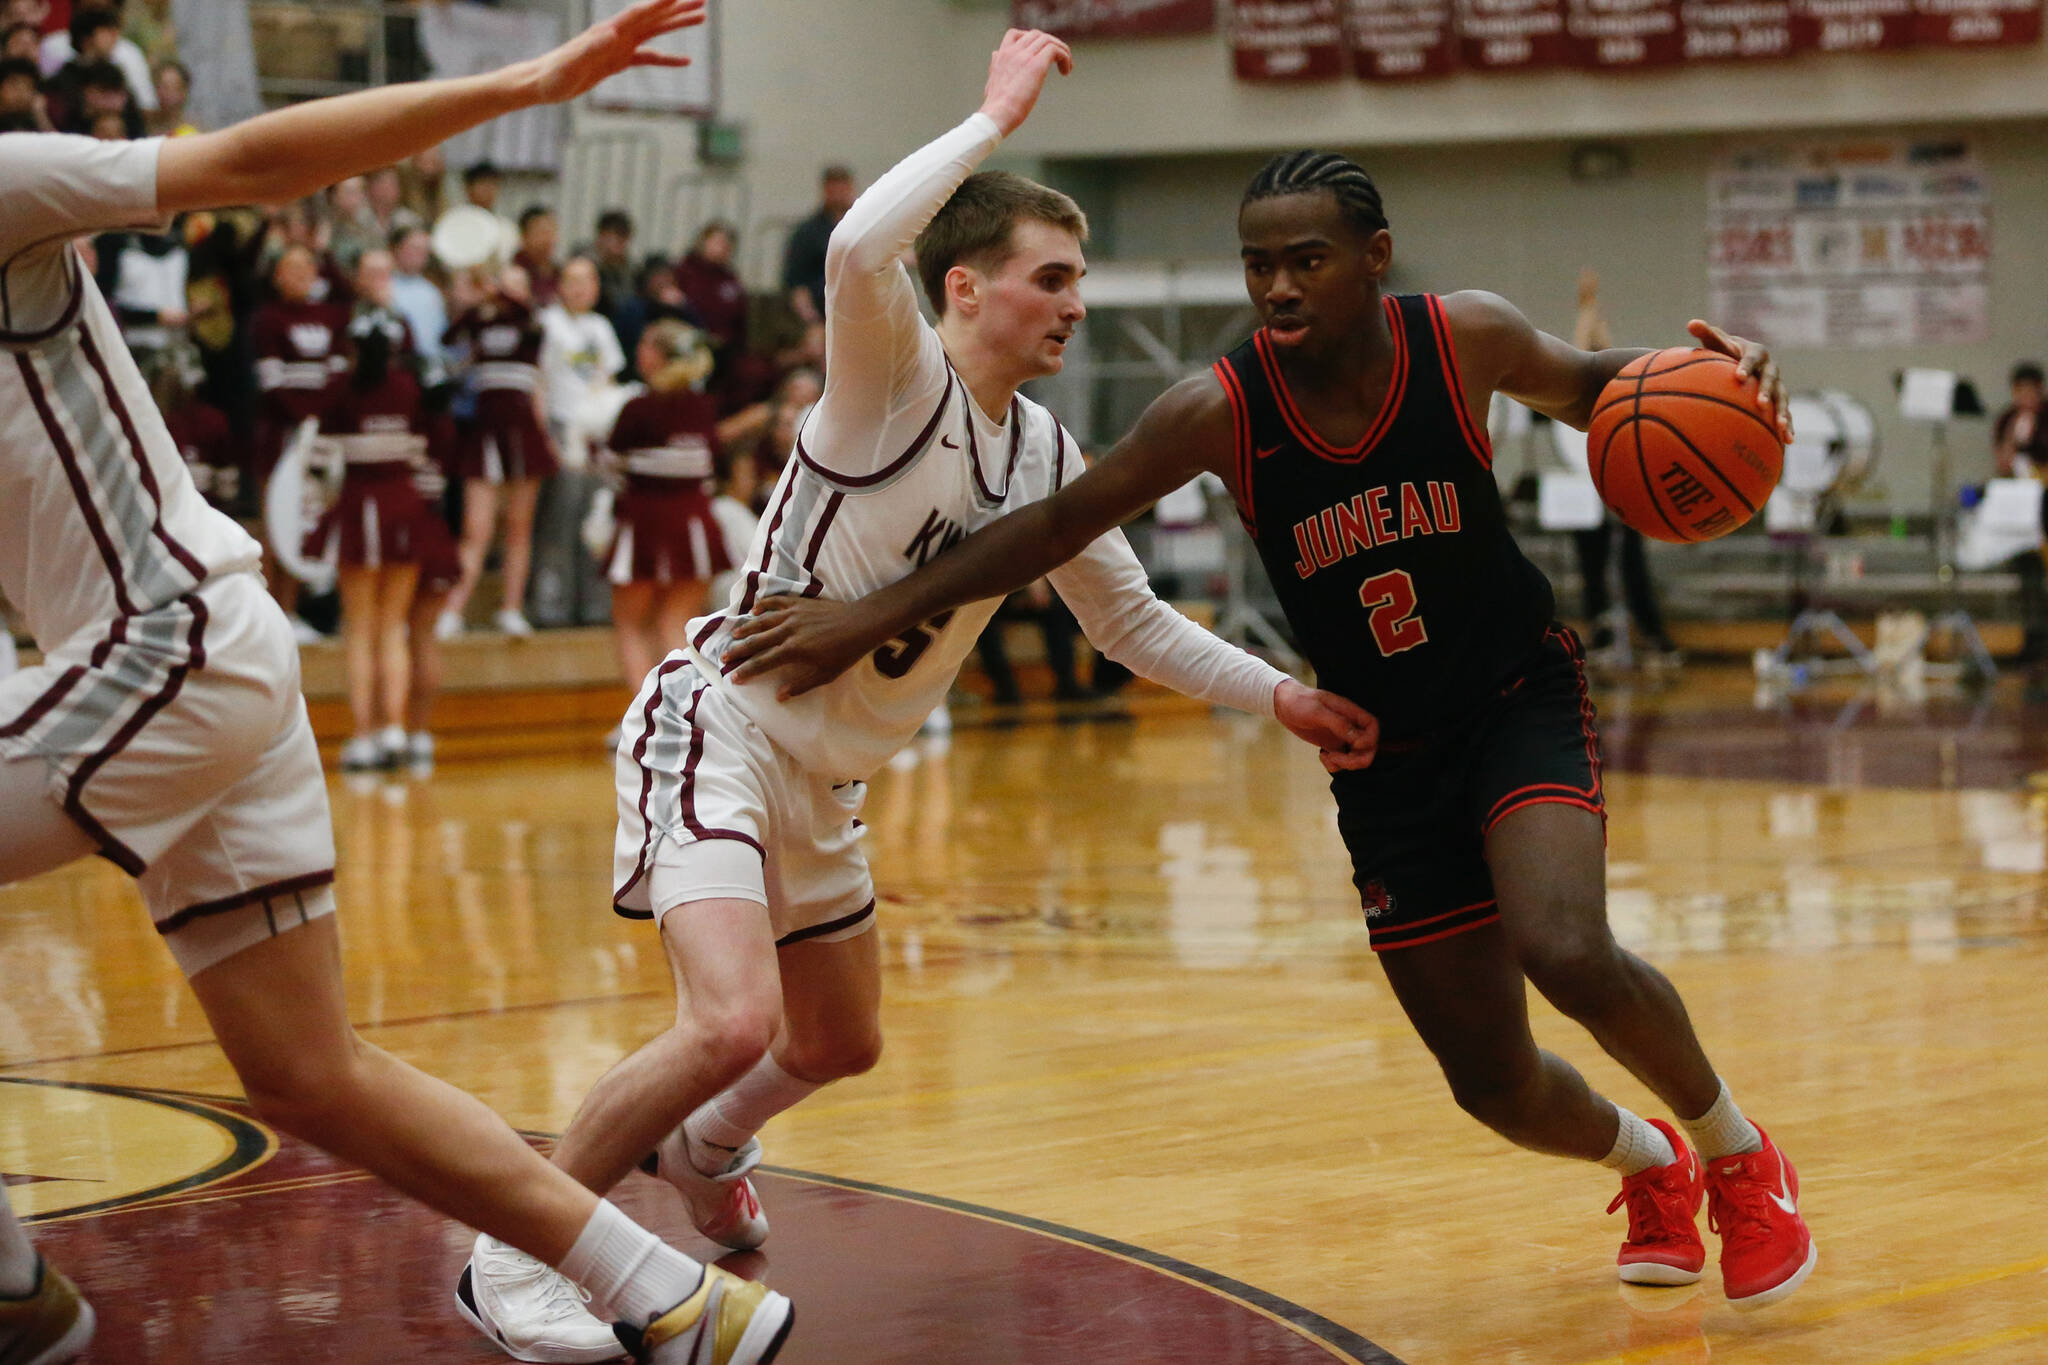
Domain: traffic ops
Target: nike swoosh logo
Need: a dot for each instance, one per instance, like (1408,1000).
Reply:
(949,443)
(1266,452)
(1783,1199)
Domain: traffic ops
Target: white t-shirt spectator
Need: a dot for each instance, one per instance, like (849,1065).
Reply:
(126,55)
(580,362)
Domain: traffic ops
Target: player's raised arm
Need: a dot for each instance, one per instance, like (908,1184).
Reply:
(294,151)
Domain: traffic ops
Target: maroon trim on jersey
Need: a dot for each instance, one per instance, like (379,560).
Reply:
(40,707)
(186,559)
(68,457)
(646,783)
(1460,921)
(1447,352)
(116,852)
(894,467)
(817,584)
(1016,444)
(830,926)
(1397,389)
(269,891)
(1241,441)
(64,319)
(1590,798)
(1059,457)
(117,634)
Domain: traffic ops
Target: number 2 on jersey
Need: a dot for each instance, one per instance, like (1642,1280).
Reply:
(1389,600)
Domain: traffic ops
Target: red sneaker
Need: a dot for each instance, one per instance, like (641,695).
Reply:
(1663,1245)
(1753,1202)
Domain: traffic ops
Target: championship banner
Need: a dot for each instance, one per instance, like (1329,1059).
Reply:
(1287,40)
(1624,34)
(1393,40)
(1852,25)
(1513,35)
(1737,30)
(1871,244)
(1976,23)
(1114,18)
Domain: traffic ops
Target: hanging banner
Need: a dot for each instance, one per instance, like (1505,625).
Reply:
(1736,30)
(1512,35)
(1287,40)
(1394,40)
(1852,25)
(1976,23)
(1624,34)
(1865,244)
(1115,18)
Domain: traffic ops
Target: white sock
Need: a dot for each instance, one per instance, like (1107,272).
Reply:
(17,1257)
(1722,1131)
(631,1274)
(723,1123)
(1638,1146)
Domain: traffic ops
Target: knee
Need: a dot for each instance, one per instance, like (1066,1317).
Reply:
(310,1095)
(733,1035)
(1498,1093)
(1582,977)
(842,1054)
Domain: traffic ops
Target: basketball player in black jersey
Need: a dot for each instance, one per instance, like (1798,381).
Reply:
(1351,431)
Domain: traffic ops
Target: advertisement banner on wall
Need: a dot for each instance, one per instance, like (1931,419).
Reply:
(1512,35)
(1737,30)
(1977,23)
(1624,34)
(1398,40)
(1852,245)
(1852,25)
(1115,18)
(1287,40)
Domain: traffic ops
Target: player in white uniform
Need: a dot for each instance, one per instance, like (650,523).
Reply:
(164,728)
(737,827)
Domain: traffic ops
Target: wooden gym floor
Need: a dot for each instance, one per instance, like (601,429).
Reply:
(1146,1096)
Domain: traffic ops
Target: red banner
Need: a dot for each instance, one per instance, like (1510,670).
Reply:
(1287,40)
(1852,25)
(1718,30)
(1977,23)
(1621,34)
(1393,40)
(1114,18)
(1513,35)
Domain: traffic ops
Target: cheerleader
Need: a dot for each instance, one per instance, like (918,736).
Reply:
(440,570)
(378,424)
(505,445)
(668,544)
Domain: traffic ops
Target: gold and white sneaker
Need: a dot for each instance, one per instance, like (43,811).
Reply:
(728,1321)
(724,1207)
(47,1325)
(529,1311)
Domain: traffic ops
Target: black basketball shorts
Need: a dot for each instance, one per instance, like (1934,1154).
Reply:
(1416,820)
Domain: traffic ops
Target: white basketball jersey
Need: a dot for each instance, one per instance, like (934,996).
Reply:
(99,520)
(845,537)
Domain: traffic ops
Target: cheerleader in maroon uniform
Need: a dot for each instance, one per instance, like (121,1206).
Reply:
(504,446)
(298,345)
(668,545)
(374,528)
(440,570)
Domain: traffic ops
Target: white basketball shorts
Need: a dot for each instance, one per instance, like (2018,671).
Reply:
(710,808)
(178,741)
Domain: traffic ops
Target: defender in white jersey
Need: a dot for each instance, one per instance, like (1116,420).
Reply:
(164,728)
(737,828)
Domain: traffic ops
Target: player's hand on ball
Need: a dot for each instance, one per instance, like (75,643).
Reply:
(1345,734)
(1017,72)
(1753,361)
(805,641)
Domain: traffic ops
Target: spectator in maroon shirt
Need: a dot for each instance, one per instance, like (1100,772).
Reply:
(539,239)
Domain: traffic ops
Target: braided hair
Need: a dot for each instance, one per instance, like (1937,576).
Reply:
(1309,172)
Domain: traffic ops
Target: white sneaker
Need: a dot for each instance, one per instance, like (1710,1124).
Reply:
(419,747)
(724,1207)
(391,745)
(726,1321)
(303,632)
(448,625)
(510,621)
(529,1311)
(361,755)
(939,722)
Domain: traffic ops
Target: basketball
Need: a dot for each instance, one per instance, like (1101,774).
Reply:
(1679,448)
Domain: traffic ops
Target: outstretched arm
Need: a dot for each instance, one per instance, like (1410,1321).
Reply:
(1499,351)
(294,151)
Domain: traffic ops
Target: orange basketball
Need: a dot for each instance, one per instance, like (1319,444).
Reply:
(1679,448)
